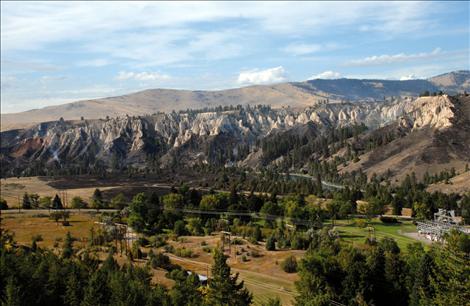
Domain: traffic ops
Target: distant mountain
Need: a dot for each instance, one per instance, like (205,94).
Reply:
(456,81)
(353,89)
(295,95)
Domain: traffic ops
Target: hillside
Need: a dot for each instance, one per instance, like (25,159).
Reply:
(456,81)
(435,136)
(295,95)
(425,134)
(163,100)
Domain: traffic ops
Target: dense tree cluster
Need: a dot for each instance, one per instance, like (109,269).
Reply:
(382,274)
(34,276)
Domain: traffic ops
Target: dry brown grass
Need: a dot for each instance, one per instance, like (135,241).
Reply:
(13,189)
(262,275)
(26,226)
(457,184)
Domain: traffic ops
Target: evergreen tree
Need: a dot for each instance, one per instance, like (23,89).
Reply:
(97,201)
(271,243)
(12,293)
(67,250)
(73,293)
(78,203)
(3,204)
(224,289)
(185,291)
(96,292)
(26,204)
(57,202)
(119,201)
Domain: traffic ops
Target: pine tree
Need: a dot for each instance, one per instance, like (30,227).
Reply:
(67,250)
(271,243)
(97,199)
(223,287)
(12,293)
(96,293)
(26,201)
(57,202)
(72,295)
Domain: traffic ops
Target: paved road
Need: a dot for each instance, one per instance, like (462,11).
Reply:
(324,183)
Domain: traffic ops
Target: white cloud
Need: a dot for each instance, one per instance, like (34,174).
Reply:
(92,25)
(326,75)
(141,76)
(410,77)
(267,76)
(396,58)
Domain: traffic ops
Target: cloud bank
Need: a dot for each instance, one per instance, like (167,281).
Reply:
(396,58)
(326,75)
(267,76)
(142,76)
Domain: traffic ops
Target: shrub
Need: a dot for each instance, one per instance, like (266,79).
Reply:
(388,219)
(244,259)
(160,260)
(158,241)
(271,244)
(361,223)
(253,240)
(169,248)
(179,228)
(143,241)
(289,265)
(255,253)
(238,241)
(207,249)
(183,252)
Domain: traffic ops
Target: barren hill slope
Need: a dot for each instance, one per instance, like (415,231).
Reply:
(163,100)
(437,139)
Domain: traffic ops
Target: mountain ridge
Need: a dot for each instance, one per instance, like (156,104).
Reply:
(295,95)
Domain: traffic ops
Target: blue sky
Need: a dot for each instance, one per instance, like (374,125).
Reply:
(57,52)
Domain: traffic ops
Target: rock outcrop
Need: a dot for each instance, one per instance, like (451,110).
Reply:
(133,140)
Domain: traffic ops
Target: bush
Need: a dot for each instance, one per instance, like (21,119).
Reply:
(207,249)
(289,265)
(143,241)
(159,260)
(183,252)
(244,259)
(361,223)
(179,228)
(387,219)
(169,248)
(271,244)
(158,241)
(237,241)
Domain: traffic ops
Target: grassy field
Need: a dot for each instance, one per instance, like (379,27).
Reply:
(351,233)
(25,226)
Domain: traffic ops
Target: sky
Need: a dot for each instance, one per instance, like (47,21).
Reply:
(58,52)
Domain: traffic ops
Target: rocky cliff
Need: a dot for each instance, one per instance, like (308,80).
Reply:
(199,136)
